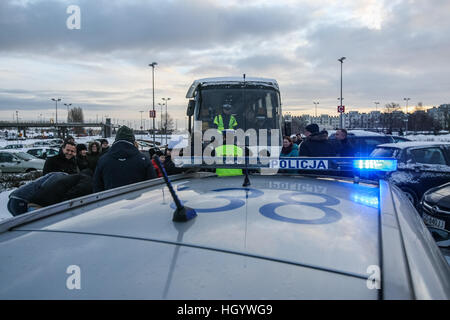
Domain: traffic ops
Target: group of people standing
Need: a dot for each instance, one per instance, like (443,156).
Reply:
(79,170)
(316,144)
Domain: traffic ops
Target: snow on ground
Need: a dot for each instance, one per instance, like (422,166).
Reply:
(4,213)
(423,137)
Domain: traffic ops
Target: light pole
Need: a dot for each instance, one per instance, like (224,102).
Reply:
(56,114)
(315,104)
(341,60)
(153,64)
(141,122)
(376,105)
(406,99)
(160,125)
(165,129)
(67,105)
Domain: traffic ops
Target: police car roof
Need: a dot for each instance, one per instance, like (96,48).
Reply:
(410,144)
(301,237)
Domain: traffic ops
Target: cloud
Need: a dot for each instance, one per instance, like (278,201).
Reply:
(152,26)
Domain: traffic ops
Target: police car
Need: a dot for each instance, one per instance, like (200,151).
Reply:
(199,236)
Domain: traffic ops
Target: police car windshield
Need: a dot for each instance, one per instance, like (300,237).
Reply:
(253,107)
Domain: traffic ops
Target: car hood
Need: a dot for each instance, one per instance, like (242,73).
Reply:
(439,197)
(316,222)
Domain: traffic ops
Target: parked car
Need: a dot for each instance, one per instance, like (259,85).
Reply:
(364,142)
(400,139)
(56,142)
(421,166)
(43,153)
(435,210)
(14,146)
(41,144)
(16,162)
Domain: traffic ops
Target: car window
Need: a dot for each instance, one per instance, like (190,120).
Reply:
(385,152)
(25,156)
(6,157)
(52,152)
(428,155)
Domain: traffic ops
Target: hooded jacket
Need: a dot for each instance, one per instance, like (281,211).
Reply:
(92,157)
(123,164)
(317,145)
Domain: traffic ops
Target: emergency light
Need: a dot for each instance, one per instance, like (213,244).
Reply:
(375,164)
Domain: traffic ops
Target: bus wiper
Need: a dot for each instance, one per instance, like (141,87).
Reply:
(182,213)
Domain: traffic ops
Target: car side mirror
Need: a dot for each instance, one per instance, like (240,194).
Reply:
(190,108)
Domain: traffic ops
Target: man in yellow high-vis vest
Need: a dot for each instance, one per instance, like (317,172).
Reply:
(228,150)
(225,120)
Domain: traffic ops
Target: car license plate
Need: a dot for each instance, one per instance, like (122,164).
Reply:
(433,222)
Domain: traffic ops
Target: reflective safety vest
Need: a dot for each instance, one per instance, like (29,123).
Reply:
(228,150)
(218,121)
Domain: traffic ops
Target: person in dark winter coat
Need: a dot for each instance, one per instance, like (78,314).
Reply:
(104,145)
(63,162)
(169,165)
(94,153)
(343,147)
(82,160)
(316,143)
(123,164)
(52,188)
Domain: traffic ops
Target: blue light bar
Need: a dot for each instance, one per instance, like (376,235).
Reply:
(376,164)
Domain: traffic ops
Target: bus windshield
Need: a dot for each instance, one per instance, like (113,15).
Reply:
(251,107)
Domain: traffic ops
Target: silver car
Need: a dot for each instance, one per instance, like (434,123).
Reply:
(283,237)
(16,162)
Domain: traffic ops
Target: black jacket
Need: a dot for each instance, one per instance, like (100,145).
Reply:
(123,164)
(54,188)
(317,145)
(82,162)
(170,167)
(344,148)
(59,163)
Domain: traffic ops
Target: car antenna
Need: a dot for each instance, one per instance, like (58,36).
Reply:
(246,179)
(182,213)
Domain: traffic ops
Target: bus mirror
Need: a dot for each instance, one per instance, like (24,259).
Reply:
(190,108)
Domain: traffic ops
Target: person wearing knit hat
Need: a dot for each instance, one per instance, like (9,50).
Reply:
(316,143)
(125,133)
(123,164)
(311,129)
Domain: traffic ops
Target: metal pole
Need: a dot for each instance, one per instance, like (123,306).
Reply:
(340,118)
(153,64)
(406,99)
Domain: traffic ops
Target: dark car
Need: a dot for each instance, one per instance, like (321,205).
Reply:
(364,142)
(435,210)
(421,166)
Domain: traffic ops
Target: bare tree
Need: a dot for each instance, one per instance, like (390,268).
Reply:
(167,123)
(76,115)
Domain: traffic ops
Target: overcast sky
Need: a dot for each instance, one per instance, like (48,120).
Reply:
(394,49)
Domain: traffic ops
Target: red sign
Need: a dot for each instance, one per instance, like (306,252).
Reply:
(152,113)
(341,109)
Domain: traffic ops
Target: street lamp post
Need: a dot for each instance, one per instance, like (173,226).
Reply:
(341,60)
(165,129)
(406,99)
(315,104)
(67,105)
(160,124)
(141,122)
(376,105)
(56,114)
(153,64)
